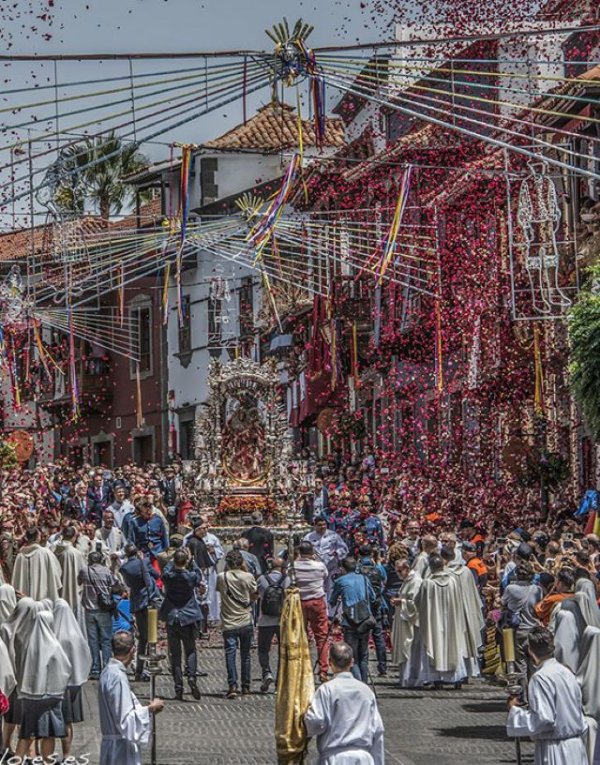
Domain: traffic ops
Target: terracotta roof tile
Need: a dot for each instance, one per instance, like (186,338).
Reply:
(275,127)
(17,245)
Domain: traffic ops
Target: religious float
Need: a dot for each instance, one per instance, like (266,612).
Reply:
(243,447)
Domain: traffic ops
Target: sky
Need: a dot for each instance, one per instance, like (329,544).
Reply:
(38,27)
(41,27)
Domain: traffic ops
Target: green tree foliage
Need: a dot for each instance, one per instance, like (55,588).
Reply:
(98,167)
(584,339)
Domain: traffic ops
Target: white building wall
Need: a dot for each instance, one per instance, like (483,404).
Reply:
(187,384)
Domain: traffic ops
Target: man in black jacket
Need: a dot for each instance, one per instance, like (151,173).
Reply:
(140,577)
(260,541)
(181,612)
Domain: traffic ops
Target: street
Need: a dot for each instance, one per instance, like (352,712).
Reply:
(422,727)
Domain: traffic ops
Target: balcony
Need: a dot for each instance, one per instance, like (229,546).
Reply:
(94,383)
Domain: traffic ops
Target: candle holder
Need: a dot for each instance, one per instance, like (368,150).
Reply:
(153,661)
(514,689)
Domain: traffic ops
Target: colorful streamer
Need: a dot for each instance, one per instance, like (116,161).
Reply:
(389,246)
(260,234)
(165,293)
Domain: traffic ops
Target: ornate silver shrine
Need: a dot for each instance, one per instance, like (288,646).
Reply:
(243,448)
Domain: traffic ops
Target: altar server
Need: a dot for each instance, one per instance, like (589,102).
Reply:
(554,719)
(125,724)
(344,717)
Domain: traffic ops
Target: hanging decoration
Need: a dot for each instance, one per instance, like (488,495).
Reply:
(389,245)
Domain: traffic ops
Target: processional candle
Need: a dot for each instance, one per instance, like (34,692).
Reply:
(508,640)
(152,626)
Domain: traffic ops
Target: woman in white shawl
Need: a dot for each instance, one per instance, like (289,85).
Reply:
(20,619)
(73,643)
(43,672)
(7,686)
(585,595)
(588,677)
(8,601)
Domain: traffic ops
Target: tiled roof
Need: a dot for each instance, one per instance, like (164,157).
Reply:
(274,128)
(17,245)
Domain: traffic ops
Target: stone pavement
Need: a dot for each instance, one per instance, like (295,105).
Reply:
(444,727)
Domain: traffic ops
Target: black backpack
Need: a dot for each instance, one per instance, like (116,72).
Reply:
(272,600)
(373,574)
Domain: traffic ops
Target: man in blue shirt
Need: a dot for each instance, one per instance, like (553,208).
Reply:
(147,531)
(377,576)
(356,596)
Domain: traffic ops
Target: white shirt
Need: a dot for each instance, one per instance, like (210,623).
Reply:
(344,717)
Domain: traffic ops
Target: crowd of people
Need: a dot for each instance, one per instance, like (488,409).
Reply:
(87,554)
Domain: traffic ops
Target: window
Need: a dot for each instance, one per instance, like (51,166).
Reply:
(246,307)
(141,336)
(185,327)
(186,439)
(208,171)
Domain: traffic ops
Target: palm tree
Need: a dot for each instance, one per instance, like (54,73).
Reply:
(97,169)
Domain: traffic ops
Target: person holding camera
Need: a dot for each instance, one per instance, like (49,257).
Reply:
(97,602)
(140,576)
(181,612)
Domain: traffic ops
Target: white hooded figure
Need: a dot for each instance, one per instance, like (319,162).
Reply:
(588,677)
(74,644)
(43,670)
(8,601)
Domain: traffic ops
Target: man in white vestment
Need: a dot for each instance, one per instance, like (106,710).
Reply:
(405,627)
(71,562)
(344,717)
(125,724)
(429,545)
(442,627)
(37,571)
(472,610)
(554,719)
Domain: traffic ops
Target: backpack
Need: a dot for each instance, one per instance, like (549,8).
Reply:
(272,600)
(373,574)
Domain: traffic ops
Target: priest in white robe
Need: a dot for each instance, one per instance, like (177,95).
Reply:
(124,723)
(405,627)
(37,571)
(442,627)
(344,717)
(554,719)
(71,562)
(472,610)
